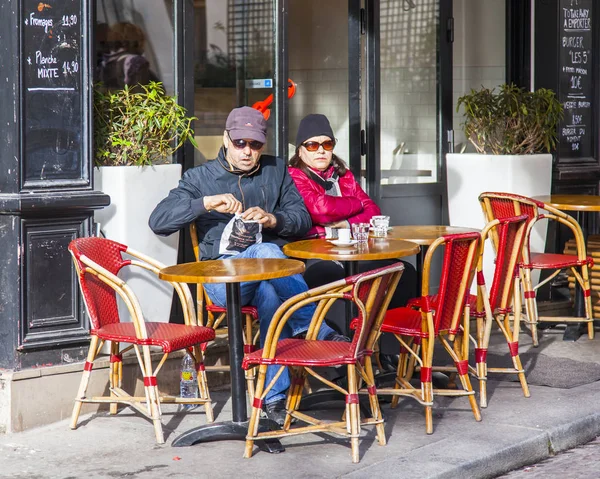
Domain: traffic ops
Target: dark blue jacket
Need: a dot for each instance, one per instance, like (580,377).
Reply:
(270,188)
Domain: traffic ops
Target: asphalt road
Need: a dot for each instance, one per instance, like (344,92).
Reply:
(580,463)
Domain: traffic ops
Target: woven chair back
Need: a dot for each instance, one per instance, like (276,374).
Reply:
(374,290)
(99,297)
(458,269)
(510,236)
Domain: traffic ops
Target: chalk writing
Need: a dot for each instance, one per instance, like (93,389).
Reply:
(576,79)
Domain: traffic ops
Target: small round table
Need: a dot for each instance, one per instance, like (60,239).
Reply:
(232,272)
(375,248)
(582,205)
(425,235)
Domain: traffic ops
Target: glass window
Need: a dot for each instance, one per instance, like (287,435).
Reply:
(134,42)
(233,62)
(318,64)
(479,58)
(409,91)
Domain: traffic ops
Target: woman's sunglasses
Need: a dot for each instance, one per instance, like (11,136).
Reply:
(241,144)
(327,145)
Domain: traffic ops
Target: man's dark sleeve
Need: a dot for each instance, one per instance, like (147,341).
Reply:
(292,216)
(183,205)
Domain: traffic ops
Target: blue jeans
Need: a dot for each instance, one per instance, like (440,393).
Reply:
(267,296)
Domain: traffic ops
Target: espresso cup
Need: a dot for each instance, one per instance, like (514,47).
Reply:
(344,235)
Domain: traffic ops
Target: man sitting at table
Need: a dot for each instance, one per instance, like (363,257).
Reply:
(226,198)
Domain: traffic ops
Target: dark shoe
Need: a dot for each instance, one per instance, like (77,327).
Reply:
(340,338)
(389,362)
(276,411)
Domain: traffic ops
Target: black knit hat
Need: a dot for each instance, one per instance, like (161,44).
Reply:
(313,125)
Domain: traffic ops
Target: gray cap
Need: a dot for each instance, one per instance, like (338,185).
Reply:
(247,123)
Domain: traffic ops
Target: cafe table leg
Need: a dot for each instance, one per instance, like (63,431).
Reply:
(238,427)
(573,331)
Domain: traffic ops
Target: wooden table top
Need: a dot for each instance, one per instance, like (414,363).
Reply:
(231,270)
(376,248)
(426,234)
(572,202)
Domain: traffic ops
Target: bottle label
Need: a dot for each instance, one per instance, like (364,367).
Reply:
(187,376)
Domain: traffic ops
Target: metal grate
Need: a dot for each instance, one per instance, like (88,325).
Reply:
(250,35)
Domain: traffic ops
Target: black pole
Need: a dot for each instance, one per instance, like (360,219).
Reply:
(236,353)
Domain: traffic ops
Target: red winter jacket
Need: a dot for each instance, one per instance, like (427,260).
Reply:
(354,205)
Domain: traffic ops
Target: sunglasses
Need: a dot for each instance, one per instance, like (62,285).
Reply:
(241,144)
(327,145)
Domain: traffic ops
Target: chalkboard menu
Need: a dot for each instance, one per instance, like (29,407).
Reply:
(51,63)
(576,78)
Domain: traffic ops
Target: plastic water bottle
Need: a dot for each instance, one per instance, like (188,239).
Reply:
(188,385)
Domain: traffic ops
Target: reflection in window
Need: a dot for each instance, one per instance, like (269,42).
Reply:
(233,65)
(134,42)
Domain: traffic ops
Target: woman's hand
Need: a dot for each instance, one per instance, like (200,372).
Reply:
(339,224)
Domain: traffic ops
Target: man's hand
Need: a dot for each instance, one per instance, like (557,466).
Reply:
(258,214)
(226,203)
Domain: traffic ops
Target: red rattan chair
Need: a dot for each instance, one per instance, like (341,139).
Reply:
(502,205)
(444,316)
(371,292)
(508,237)
(215,315)
(98,261)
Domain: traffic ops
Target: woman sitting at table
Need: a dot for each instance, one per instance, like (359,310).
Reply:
(334,200)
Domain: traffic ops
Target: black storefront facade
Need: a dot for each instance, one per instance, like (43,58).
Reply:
(387,74)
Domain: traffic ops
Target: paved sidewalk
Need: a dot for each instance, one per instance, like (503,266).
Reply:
(515,431)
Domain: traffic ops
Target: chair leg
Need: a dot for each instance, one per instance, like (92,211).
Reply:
(589,312)
(298,378)
(116,370)
(152,396)
(203,384)
(85,379)
(530,306)
(374,401)
(353,412)
(255,415)
(248,341)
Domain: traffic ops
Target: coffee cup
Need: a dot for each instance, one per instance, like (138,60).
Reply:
(380,224)
(344,235)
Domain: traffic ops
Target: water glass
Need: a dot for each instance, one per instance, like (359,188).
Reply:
(360,232)
(380,225)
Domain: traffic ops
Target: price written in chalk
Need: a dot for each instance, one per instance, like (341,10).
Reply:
(69,20)
(70,68)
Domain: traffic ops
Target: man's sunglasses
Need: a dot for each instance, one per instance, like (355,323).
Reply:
(241,144)
(328,145)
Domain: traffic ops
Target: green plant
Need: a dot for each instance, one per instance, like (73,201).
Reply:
(138,126)
(512,121)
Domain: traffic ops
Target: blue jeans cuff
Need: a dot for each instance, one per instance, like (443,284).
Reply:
(276,397)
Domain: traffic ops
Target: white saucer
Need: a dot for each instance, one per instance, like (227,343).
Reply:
(338,242)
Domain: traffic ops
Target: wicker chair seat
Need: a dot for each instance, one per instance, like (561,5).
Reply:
(170,337)
(557,261)
(300,352)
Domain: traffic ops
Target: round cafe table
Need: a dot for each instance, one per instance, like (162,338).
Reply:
(583,206)
(232,272)
(375,248)
(424,235)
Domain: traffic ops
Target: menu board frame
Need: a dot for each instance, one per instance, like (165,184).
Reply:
(577,52)
(55,92)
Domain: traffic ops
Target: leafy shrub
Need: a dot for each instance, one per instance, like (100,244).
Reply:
(138,126)
(512,121)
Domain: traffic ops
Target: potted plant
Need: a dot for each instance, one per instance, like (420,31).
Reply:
(513,131)
(136,132)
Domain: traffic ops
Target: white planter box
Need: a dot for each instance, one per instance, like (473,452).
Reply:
(469,175)
(134,192)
